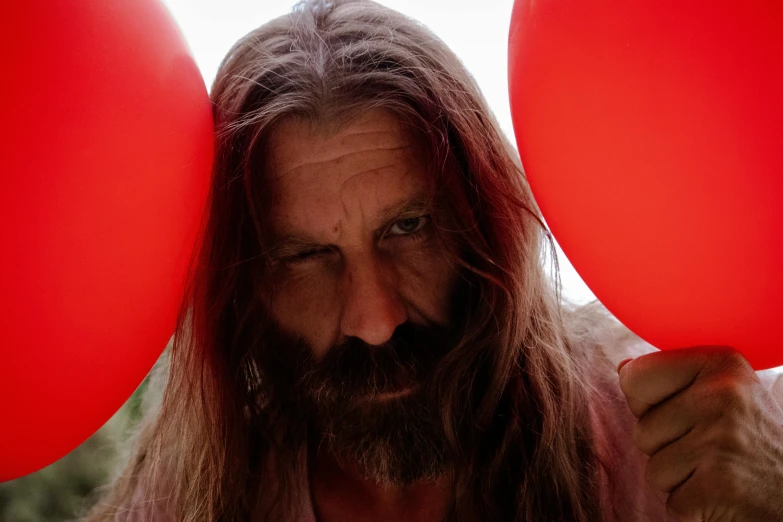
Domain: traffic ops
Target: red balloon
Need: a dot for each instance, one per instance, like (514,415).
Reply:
(651,136)
(107,148)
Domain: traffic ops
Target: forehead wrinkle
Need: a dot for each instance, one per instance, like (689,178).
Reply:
(385,210)
(367,171)
(342,187)
(335,158)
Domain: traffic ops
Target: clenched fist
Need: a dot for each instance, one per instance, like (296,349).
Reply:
(714,434)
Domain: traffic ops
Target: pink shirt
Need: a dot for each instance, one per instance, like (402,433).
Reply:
(625,495)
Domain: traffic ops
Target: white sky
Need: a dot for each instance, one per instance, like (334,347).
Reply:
(476,31)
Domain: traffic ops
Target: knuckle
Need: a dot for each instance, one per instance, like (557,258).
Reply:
(653,474)
(681,507)
(640,437)
(726,393)
(731,361)
(729,487)
(733,437)
(723,442)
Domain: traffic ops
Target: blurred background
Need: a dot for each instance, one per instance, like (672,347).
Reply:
(476,31)
(67,488)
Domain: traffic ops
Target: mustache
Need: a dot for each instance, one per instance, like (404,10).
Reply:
(355,368)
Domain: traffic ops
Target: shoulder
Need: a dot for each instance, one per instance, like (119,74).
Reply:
(600,342)
(599,339)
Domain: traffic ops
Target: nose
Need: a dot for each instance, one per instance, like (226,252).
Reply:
(372,307)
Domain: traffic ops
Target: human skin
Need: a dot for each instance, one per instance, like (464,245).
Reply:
(713,431)
(355,255)
(341,193)
(352,260)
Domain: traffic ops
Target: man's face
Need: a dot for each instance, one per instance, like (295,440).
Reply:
(355,253)
(361,279)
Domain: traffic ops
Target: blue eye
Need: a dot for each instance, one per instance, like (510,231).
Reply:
(408,226)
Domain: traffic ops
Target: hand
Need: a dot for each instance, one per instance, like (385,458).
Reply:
(714,434)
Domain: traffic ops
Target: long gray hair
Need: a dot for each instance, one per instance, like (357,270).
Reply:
(515,408)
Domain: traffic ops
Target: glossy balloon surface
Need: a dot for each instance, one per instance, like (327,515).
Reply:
(106,153)
(651,136)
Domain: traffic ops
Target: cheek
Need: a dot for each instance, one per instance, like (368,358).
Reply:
(427,279)
(303,303)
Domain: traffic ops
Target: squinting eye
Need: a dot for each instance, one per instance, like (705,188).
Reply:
(408,226)
(304,256)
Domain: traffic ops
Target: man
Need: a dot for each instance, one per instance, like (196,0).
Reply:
(370,334)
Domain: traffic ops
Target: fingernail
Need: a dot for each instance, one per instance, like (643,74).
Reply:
(623,363)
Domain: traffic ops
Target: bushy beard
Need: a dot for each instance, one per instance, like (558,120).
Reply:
(372,406)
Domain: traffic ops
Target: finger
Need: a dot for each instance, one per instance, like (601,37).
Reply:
(666,422)
(633,404)
(623,362)
(637,407)
(673,464)
(686,502)
(654,377)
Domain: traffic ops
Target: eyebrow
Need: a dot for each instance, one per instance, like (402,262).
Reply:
(295,242)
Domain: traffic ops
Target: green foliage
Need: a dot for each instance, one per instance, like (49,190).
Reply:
(62,491)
